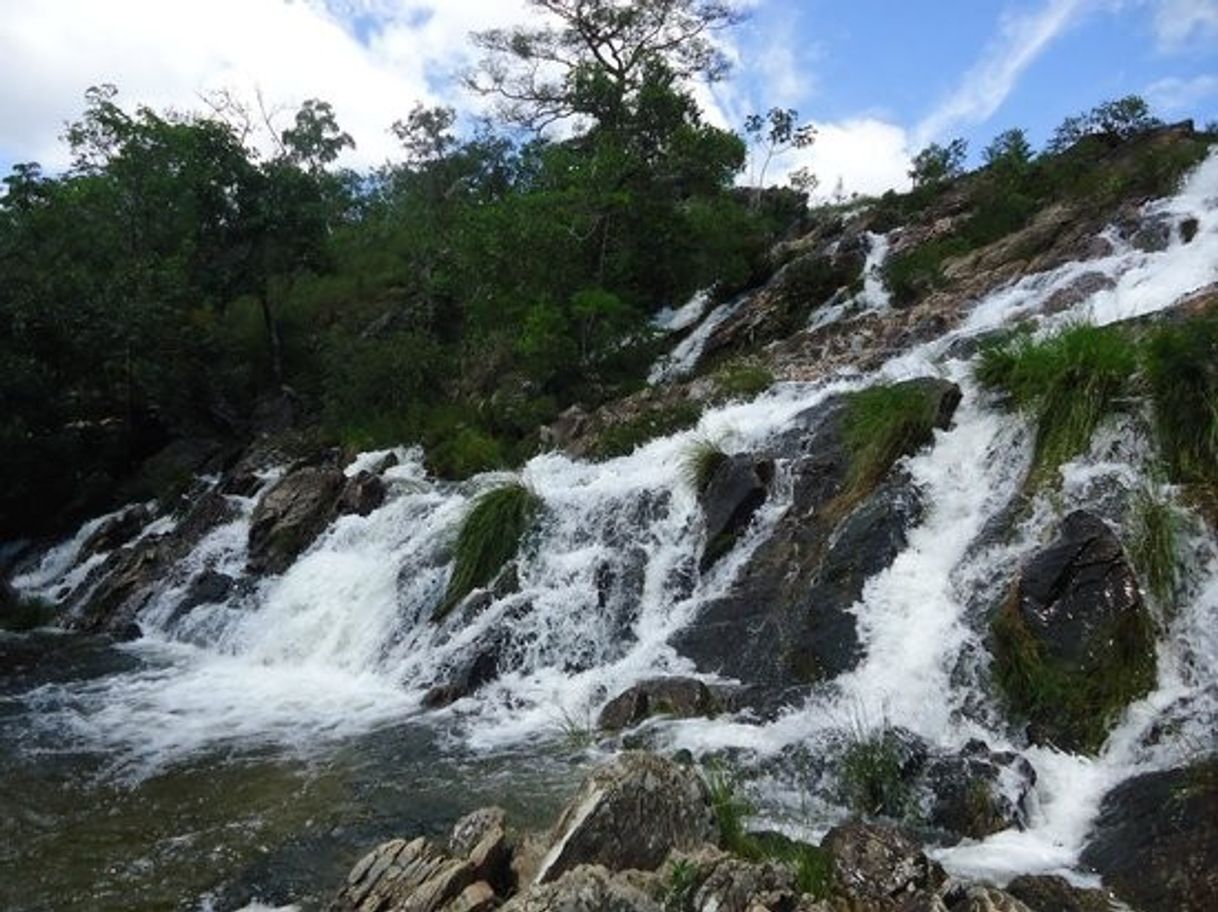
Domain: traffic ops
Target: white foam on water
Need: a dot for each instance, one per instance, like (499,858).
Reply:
(681,361)
(669,320)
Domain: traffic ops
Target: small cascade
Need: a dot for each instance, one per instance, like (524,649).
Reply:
(342,642)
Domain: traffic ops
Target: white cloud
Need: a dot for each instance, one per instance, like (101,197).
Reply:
(866,155)
(165,53)
(1179,22)
(1174,95)
(986,86)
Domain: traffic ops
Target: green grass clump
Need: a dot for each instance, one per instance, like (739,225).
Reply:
(1073,705)
(742,378)
(1069,383)
(657,421)
(699,462)
(20,614)
(916,272)
(1181,367)
(681,884)
(884,423)
(490,537)
(1154,545)
(871,775)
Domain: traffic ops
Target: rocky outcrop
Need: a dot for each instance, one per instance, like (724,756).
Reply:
(415,876)
(1156,840)
(116,531)
(977,792)
(1049,893)
(588,888)
(630,814)
(735,491)
(362,493)
(786,619)
(874,863)
(290,516)
(1074,643)
(680,698)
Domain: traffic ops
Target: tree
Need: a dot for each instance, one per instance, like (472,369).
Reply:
(936,164)
(776,133)
(592,56)
(1123,118)
(1009,149)
(315,139)
(426,133)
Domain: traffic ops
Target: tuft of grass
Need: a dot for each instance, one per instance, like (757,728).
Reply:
(1181,368)
(882,424)
(730,809)
(21,614)
(1069,383)
(742,378)
(1154,545)
(490,536)
(871,776)
(577,730)
(681,885)
(701,459)
(1074,706)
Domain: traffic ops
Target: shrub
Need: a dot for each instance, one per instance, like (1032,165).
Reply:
(490,536)
(465,452)
(20,614)
(701,459)
(871,775)
(1154,545)
(882,424)
(912,274)
(742,378)
(1069,383)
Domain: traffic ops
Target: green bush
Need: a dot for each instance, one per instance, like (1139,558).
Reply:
(916,272)
(1069,383)
(742,378)
(490,536)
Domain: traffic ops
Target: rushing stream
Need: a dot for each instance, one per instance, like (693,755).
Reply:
(251,749)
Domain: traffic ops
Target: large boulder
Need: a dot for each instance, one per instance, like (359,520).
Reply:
(1156,840)
(681,698)
(787,619)
(401,875)
(290,516)
(361,494)
(872,862)
(586,888)
(736,489)
(976,792)
(716,881)
(1073,643)
(631,813)
(1050,893)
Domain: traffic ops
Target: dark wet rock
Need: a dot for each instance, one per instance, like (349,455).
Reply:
(977,792)
(128,632)
(1074,643)
(874,862)
(586,888)
(116,531)
(1156,840)
(1152,235)
(127,577)
(209,587)
(681,698)
(1188,230)
(478,668)
(736,490)
(631,813)
(241,484)
(361,494)
(786,620)
(290,516)
(1079,290)
(401,875)
(1050,893)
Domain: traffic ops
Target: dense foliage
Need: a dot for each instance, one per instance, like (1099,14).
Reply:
(173,284)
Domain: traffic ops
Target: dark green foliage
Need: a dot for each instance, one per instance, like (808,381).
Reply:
(1068,383)
(871,776)
(681,885)
(1181,366)
(1154,545)
(1079,704)
(490,536)
(937,164)
(883,423)
(701,459)
(1122,118)
(912,274)
(657,421)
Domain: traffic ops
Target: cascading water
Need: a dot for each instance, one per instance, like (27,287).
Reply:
(342,644)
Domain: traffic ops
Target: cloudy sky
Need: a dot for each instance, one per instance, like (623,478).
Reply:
(879,77)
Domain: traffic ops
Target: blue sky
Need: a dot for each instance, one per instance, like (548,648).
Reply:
(880,78)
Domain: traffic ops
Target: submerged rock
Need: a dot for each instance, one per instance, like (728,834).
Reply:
(290,516)
(631,813)
(1074,643)
(1156,840)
